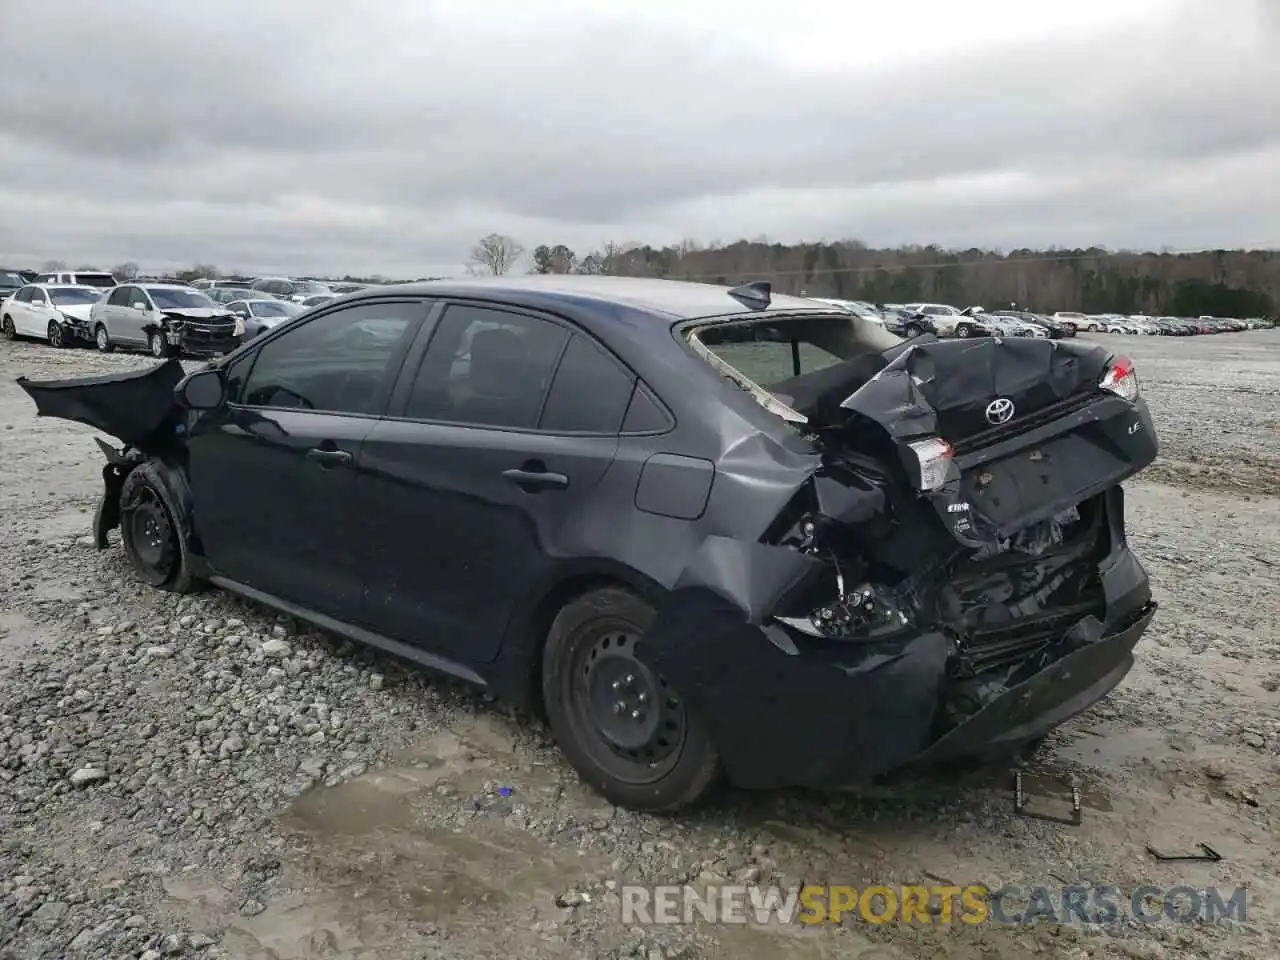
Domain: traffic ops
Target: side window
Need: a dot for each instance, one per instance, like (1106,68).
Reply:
(336,362)
(37,297)
(119,297)
(47,278)
(645,414)
(487,367)
(24,295)
(590,391)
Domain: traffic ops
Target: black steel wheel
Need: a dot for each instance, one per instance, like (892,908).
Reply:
(55,334)
(153,539)
(624,728)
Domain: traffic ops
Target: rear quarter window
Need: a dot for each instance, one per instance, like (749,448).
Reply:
(590,392)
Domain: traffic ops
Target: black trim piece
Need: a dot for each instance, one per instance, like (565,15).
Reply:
(421,657)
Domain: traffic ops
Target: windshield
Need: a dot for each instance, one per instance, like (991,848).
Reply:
(8,279)
(72,296)
(268,308)
(795,366)
(95,279)
(167,298)
(232,284)
(307,286)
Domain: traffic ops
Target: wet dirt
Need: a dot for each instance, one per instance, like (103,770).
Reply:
(435,824)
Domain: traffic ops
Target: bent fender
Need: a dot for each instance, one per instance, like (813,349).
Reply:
(133,407)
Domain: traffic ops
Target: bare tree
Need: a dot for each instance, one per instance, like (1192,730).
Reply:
(51,265)
(495,255)
(125,271)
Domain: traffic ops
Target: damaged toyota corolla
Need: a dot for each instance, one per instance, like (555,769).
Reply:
(705,531)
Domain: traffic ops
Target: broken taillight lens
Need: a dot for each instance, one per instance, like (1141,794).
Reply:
(934,456)
(1121,379)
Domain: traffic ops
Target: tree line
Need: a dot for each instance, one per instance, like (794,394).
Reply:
(1224,283)
(1228,283)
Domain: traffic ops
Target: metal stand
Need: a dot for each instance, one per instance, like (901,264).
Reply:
(1020,805)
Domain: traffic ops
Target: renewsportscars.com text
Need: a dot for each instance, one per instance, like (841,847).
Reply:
(933,904)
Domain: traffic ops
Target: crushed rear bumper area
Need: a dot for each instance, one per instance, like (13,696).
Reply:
(787,710)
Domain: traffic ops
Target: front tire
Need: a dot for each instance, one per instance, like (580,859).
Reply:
(153,538)
(913,330)
(7,326)
(157,344)
(56,338)
(964,330)
(103,340)
(624,729)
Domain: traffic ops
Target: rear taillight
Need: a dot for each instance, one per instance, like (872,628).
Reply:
(934,457)
(1121,379)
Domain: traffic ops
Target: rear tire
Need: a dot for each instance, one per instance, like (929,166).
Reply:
(57,339)
(624,729)
(7,326)
(103,340)
(153,538)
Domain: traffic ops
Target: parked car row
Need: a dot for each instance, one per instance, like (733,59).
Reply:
(1171,326)
(944,320)
(165,319)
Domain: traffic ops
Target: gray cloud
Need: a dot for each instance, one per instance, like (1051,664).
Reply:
(268,136)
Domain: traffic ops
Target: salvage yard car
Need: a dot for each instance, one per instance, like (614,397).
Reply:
(164,319)
(708,531)
(56,313)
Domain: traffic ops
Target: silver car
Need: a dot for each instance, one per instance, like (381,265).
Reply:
(164,319)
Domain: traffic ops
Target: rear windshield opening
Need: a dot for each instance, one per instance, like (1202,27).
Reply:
(799,367)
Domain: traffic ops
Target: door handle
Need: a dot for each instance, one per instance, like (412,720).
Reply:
(534,481)
(329,458)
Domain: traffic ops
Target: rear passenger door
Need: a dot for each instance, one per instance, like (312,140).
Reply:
(502,424)
(114,314)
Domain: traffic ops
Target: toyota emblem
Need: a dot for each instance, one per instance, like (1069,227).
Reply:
(1000,411)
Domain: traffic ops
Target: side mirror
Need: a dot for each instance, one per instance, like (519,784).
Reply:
(201,390)
(139,305)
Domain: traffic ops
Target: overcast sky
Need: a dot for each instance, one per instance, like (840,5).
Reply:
(299,137)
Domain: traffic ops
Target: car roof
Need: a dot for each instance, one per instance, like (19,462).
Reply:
(159,285)
(673,299)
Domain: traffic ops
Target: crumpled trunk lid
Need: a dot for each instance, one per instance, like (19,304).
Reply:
(1032,432)
(132,407)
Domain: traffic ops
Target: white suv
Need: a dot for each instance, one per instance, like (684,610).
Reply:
(78,278)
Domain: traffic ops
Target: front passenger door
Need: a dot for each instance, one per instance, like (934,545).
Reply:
(273,471)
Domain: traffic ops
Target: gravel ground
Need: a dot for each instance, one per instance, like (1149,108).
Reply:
(196,777)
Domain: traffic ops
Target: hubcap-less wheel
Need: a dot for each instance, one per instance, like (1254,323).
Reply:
(152,535)
(638,721)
